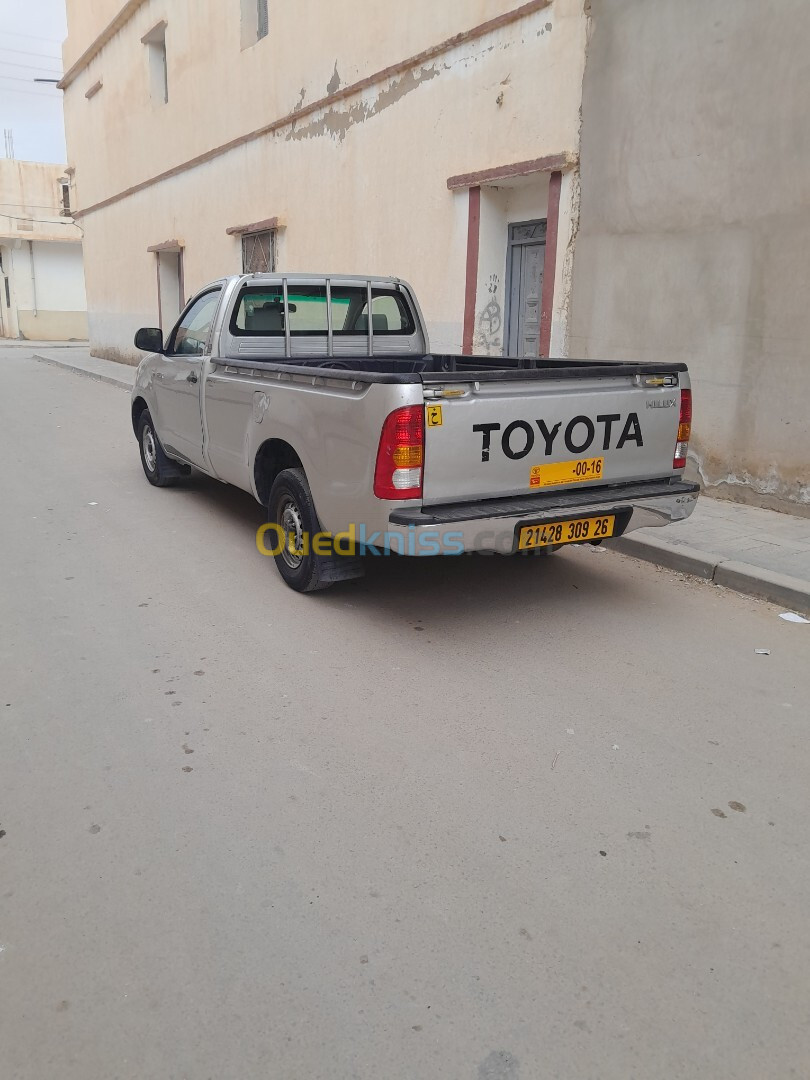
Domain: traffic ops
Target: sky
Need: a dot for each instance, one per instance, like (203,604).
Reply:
(31,35)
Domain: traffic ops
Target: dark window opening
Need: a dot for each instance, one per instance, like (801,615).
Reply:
(253,22)
(261,19)
(155,42)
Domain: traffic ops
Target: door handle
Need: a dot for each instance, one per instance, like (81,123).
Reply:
(191,377)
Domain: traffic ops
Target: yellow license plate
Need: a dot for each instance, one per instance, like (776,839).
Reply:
(566,532)
(566,472)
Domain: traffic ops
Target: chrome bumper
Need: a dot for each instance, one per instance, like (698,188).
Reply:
(494,525)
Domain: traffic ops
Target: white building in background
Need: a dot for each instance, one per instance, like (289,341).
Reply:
(42,295)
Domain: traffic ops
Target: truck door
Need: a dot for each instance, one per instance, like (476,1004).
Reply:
(178,379)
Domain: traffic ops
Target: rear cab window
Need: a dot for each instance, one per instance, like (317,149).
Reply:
(259,312)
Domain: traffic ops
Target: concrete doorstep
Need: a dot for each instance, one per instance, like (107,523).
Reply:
(784,534)
(792,592)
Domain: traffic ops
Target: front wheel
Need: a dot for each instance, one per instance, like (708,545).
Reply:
(159,469)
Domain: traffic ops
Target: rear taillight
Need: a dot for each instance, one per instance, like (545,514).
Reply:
(398,472)
(684,430)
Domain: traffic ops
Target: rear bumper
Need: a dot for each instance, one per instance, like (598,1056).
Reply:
(492,525)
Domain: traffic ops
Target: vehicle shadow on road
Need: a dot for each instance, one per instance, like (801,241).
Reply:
(478,586)
(473,587)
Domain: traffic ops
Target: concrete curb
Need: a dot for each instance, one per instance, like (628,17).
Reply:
(767,584)
(743,577)
(91,373)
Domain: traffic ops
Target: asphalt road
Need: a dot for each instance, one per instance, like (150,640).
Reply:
(473,818)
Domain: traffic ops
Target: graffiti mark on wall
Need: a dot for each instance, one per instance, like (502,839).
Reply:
(490,319)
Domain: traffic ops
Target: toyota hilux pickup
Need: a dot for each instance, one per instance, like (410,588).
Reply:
(320,396)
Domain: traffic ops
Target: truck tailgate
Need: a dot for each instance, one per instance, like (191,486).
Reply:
(486,439)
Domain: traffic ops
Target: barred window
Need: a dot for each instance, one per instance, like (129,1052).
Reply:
(259,252)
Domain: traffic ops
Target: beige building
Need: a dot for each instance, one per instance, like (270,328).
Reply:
(41,277)
(441,142)
(207,138)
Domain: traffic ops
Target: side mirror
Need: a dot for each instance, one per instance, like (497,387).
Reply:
(149,339)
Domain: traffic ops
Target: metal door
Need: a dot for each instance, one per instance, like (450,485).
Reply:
(524,287)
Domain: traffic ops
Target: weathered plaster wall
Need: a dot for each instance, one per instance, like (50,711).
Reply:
(360,185)
(694,234)
(218,91)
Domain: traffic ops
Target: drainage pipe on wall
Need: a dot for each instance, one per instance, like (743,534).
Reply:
(33,276)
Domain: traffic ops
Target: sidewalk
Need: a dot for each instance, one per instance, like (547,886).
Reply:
(80,361)
(758,552)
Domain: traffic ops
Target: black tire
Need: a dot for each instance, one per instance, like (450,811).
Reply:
(291,507)
(159,469)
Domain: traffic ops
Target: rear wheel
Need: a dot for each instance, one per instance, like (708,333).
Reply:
(292,509)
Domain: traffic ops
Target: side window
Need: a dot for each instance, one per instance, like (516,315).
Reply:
(191,333)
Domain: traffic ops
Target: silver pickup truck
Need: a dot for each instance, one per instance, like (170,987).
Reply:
(319,395)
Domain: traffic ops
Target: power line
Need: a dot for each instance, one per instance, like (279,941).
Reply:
(38,221)
(36,206)
(28,67)
(34,37)
(15,78)
(24,52)
(33,93)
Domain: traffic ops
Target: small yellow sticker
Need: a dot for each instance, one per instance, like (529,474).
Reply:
(434,415)
(566,472)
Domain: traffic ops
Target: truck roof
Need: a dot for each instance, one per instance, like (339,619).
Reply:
(304,278)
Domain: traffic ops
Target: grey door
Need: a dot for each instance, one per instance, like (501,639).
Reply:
(524,287)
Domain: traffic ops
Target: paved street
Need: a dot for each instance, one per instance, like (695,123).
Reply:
(473,818)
